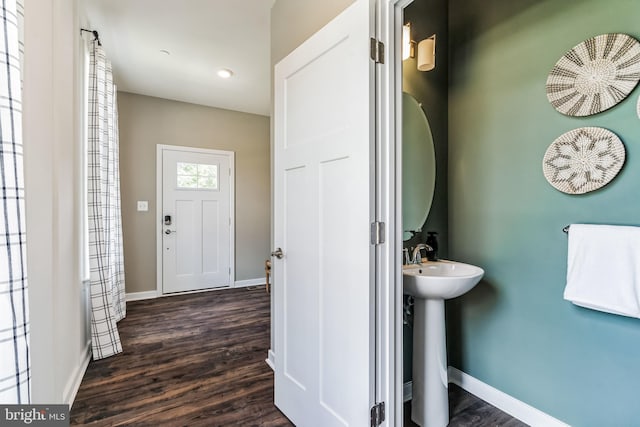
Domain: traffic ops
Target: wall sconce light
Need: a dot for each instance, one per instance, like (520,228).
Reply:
(426,49)
(427,54)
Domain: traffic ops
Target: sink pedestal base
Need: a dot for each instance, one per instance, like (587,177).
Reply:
(430,402)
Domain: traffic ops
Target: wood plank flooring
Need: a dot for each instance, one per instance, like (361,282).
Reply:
(466,410)
(198,360)
(189,360)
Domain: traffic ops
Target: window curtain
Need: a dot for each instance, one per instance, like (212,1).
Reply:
(106,264)
(15,366)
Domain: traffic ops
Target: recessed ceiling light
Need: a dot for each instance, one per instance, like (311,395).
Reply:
(165,51)
(225,73)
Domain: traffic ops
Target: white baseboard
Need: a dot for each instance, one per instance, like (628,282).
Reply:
(73,385)
(135,296)
(250,282)
(271,360)
(512,406)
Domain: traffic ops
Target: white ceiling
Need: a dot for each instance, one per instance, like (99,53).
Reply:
(202,37)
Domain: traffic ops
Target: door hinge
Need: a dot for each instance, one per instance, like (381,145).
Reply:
(377,233)
(377,414)
(377,51)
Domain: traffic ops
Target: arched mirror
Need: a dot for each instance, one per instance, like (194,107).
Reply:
(418,165)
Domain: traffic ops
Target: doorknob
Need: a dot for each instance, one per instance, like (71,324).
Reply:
(167,231)
(277,253)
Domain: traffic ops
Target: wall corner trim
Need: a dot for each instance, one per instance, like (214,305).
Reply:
(73,385)
(271,360)
(135,296)
(512,406)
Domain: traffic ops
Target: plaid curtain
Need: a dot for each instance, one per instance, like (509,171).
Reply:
(15,366)
(105,225)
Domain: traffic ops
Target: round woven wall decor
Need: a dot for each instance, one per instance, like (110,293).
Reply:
(583,160)
(595,75)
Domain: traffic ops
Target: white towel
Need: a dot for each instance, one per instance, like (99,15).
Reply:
(603,268)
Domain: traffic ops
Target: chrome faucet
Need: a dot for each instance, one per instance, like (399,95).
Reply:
(405,254)
(417,256)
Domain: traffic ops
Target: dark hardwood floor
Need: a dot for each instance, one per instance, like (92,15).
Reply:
(189,360)
(466,410)
(198,360)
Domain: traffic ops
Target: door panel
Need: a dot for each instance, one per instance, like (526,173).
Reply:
(299,92)
(323,196)
(341,332)
(185,221)
(211,247)
(298,302)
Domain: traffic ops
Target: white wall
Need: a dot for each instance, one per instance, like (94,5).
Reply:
(52,149)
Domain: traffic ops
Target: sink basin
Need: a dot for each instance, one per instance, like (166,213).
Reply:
(440,279)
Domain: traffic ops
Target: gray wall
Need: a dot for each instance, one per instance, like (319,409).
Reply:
(145,122)
(293,21)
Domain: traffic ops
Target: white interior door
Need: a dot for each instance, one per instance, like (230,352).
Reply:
(324,204)
(196,220)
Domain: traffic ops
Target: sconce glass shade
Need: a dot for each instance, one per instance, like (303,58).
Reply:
(406,41)
(427,54)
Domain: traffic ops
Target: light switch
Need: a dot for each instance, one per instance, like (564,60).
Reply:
(143,206)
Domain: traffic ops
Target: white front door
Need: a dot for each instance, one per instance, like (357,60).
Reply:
(324,192)
(196,219)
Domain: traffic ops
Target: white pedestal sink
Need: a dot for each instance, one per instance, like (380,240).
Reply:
(430,283)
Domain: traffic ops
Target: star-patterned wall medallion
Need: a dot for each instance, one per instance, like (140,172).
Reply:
(583,160)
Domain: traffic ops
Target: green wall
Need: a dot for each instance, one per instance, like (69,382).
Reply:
(429,17)
(514,331)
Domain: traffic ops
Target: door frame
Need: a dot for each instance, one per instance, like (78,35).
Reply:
(389,324)
(388,281)
(160,149)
